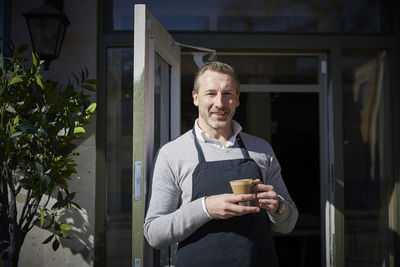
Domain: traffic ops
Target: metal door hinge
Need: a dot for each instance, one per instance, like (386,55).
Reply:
(138,180)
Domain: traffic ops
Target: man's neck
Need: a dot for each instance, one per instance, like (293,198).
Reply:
(222,135)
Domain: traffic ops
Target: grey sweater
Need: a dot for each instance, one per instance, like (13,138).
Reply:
(172,216)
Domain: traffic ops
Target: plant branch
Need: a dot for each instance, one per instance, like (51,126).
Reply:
(33,224)
(10,183)
(31,214)
(47,201)
(27,200)
(18,189)
(37,219)
(4,193)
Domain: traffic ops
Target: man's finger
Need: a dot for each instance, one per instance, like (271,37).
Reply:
(243,197)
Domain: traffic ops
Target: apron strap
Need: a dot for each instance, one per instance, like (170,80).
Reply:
(199,151)
(243,147)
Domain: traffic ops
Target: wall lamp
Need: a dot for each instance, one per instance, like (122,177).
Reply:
(47,24)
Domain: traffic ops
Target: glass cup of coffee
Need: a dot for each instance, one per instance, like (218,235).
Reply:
(241,186)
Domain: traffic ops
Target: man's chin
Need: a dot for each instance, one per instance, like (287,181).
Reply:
(219,125)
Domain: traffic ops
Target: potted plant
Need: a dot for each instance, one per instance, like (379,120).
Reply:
(40,121)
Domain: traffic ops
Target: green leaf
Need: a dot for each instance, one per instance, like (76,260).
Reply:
(39,81)
(15,80)
(26,183)
(48,239)
(56,206)
(41,217)
(11,109)
(28,128)
(39,167)
(65,227)
(42,133)
(94,81)
(76,205)
(34,59)
(16,120)
(1,89)
(20,49)
(71,196)
(33,111)
(11,127)
(88,87)
(62,234)
(79,130)
(47,179)
(91,109)
(55,244)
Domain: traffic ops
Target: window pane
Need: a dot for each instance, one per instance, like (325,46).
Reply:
(119,156)
(259,69)
(366,159)
(363,16)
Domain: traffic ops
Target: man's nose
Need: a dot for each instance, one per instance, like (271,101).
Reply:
(219,100)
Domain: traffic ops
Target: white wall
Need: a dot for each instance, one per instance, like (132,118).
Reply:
(79,50)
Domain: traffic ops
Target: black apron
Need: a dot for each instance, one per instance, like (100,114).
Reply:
(239,241)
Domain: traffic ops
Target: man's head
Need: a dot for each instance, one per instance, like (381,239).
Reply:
(216,94)
(217,67)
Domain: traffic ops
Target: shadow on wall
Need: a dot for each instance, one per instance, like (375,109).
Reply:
(82,221)
(82,241)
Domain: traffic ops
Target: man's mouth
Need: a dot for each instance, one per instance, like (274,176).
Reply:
(219,114)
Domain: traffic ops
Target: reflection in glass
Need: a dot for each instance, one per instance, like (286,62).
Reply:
(366,159)
(119,125)
(363,16)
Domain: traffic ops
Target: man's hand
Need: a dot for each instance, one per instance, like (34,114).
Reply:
(265,196)
(225,206)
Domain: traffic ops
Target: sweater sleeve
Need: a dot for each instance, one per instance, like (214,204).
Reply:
(167,220)
(286,221)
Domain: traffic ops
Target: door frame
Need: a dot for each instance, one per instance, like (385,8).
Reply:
(150,37)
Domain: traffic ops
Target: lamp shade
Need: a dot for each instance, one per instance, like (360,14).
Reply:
(46,26)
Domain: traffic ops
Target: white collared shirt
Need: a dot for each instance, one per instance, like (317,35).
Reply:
(206,138)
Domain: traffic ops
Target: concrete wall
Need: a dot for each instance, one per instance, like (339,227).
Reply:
(79,50)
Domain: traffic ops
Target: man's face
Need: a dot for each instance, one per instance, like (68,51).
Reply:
(217,100)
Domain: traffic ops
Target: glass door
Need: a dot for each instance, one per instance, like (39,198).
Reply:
(156,97)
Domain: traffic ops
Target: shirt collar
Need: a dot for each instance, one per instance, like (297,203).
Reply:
(206,138)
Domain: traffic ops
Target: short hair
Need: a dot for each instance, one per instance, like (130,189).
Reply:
(218,67)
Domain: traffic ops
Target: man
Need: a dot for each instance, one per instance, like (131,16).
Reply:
(191,199)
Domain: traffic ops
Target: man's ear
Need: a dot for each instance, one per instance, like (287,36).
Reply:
(195,98)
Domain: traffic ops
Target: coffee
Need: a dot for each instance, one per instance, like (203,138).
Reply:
(242,186)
